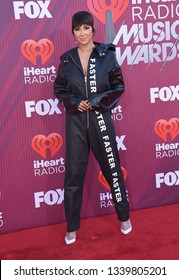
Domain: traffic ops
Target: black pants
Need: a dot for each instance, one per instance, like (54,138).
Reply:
(96,133)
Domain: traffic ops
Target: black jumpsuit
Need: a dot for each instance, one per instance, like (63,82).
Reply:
(93,129)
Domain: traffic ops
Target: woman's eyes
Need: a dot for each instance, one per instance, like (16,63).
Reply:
(86,27)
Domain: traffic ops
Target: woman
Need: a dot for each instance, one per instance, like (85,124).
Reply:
(89,83)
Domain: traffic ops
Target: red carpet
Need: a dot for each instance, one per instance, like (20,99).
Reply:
(155,235)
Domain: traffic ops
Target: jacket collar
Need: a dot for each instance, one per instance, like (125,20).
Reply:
(100,48)
(103,48)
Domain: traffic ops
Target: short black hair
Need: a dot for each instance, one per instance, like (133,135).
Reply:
(81,18)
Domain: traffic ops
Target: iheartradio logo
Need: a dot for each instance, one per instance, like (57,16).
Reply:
(162,128)
(99,8)
(103,181)
(31,49)
(41,143)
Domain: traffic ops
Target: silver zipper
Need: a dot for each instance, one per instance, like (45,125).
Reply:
(87,112)
(86,89)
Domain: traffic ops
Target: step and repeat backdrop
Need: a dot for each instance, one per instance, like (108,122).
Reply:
(33,36)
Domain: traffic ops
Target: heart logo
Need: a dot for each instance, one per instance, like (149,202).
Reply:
(162,128)
(99,8)
(41,143)
(103,181)
(31,49)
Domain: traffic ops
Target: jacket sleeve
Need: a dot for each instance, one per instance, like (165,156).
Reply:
(107,100)
(60,89)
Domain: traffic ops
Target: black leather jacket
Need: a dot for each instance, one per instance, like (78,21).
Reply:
(102,85)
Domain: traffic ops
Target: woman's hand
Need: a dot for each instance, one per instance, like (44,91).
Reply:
(84,106)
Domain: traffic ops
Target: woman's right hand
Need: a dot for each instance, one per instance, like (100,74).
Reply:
(84,106)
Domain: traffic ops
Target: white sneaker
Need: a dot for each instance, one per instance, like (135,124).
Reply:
(126,227)
(70,237)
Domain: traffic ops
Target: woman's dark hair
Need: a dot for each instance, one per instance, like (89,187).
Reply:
(81,18)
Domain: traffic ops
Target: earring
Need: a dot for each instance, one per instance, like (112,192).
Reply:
(75,41)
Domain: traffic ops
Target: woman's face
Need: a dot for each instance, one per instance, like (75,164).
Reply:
(84,34)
